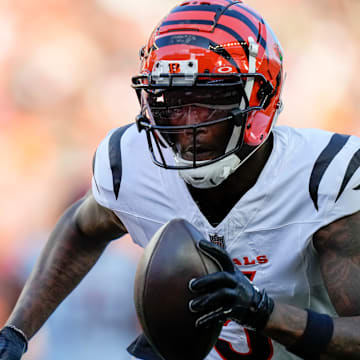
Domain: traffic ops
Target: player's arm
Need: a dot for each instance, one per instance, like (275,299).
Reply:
(74,246)
(338,245)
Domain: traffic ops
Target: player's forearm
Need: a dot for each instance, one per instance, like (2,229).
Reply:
(287,324)
(65,260)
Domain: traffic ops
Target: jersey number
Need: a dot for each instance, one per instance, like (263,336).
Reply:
(259,346)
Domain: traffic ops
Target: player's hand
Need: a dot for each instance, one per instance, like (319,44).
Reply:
(12,344)
(228,295)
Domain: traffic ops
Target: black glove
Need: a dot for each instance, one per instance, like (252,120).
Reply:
(13,344)
(228,295)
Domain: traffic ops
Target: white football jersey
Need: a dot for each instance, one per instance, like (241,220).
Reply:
(311,178)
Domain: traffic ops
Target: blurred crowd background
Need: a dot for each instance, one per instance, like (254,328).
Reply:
(65,69)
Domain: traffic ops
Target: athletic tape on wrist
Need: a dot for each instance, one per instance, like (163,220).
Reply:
(317,334)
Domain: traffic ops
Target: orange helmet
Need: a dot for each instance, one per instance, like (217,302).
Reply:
(218,53)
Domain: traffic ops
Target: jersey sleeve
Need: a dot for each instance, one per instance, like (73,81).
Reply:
(344,182)
(107,169)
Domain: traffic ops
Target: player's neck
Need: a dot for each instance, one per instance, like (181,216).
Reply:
(215,203)
(247,174)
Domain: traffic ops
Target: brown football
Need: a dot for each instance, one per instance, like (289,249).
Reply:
(161,295)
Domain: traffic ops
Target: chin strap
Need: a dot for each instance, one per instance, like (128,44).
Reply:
(208,176)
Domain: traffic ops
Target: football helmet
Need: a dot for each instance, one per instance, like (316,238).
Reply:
(208,64)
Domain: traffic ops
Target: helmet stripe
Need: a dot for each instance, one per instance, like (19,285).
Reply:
(229,12)
(246,8)
(272,34)
(197,22)
(212,8)
(253,13)
(241,41)
(196,40)
(244,19)
(230,31)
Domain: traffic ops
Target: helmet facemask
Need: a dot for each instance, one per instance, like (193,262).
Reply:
(169,113)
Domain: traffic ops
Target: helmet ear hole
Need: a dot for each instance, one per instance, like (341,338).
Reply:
(272,92)
(265,91)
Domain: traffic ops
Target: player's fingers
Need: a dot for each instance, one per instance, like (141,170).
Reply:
(216,316)
(218,254)
(211,282)
(206,303)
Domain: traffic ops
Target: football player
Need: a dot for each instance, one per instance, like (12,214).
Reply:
(282,204)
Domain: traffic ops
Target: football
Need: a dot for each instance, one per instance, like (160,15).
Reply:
(162,294)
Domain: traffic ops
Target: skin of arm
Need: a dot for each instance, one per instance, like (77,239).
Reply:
(338,246)
(74,246)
